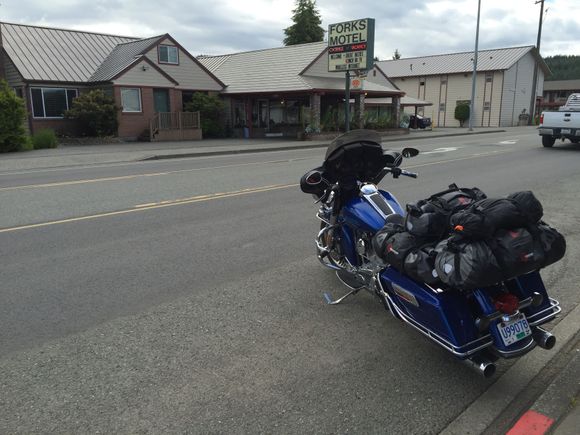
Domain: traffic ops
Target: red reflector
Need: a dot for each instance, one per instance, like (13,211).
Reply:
(507,303)
(541,119)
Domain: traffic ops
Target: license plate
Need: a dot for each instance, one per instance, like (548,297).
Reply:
(565,131)
(514,330)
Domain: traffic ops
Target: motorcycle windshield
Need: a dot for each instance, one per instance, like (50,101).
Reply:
(350,137)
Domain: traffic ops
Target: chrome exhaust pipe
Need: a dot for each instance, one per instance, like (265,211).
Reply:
(481,365)
(543,338)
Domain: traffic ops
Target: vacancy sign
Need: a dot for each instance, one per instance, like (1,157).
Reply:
(351,45)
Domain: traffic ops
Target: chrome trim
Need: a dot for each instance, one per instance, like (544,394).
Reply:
(373,205)
(554,309)
(435,337)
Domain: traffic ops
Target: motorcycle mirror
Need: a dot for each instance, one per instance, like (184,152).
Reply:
(409,152)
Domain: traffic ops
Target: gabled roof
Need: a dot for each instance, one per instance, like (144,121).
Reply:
(57,55)
(279,69)
(121,57)
(487,60)
(269,70)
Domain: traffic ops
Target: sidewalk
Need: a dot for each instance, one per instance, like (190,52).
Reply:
(78,155)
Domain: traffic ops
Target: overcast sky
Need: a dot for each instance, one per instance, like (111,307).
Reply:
(414,27)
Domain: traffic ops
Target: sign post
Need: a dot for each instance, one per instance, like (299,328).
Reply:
(351,48)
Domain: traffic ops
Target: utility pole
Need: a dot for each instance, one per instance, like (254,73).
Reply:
(535,80)
(472,106)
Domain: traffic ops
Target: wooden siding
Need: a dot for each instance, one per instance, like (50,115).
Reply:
(188,73)
(517,90)
(457,88)
(13,77)
(150,77)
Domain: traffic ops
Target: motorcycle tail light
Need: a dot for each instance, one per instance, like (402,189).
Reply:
(507,303)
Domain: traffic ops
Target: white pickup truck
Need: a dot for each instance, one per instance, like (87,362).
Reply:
(563,124)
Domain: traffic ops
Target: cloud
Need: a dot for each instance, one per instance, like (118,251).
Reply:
(414,27)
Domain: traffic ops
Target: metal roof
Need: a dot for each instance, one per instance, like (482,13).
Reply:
(269,70)
(48,54)
(562,85)
(487,60)
(121,57)
(277,70)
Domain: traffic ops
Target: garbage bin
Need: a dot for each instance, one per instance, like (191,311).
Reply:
(246,133)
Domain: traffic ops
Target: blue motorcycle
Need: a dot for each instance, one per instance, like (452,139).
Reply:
(478,325)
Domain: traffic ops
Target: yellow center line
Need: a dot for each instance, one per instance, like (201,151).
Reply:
(144,207)
(207,197)
(129,177)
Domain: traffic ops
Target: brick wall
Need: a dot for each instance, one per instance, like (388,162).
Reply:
(131,125)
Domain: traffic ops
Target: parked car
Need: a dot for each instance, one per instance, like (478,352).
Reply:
(418,121)
(563,124)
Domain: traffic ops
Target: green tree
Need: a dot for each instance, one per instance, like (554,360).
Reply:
(563,67)
(211,110)
(306,27)
(96,113)
(12,116)
(396,54)
(462,112)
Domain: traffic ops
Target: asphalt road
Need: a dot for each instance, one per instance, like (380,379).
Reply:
(184,296)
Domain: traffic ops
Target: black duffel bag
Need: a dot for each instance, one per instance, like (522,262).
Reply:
(427,218)
(552,243)
(420,265)
(466,265)
(530,208)
(494,214)
(517,252)
(458,198)
(397,247)
(395,223)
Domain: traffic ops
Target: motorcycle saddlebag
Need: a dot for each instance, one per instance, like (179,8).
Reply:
(397,247)
(499,213)
(466,265)
(517,252)
(420,265)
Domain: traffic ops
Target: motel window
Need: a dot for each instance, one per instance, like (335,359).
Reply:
(442,107)
(489,77)
(168,54)
(131,99)
(51,102)
(487,105)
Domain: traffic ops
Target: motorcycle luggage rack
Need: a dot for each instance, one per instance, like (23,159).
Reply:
(546,314)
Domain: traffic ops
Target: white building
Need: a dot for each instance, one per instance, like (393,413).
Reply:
(503,86)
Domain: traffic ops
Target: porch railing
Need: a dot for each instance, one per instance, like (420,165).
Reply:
(173,121)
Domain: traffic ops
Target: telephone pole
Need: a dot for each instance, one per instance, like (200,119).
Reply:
(472,106)
(535,80)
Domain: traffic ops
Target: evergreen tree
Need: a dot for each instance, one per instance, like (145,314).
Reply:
(563,67)
(306,27)
(396,54)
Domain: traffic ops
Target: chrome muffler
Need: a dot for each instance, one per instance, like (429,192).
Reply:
(481,365)
(543,338)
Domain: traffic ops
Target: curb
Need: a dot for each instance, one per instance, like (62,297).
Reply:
(299,147)
(554,403)
(481,414)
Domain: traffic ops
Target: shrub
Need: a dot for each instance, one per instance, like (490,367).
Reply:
(462,113)
(44,139)
(12,117)
(211,110)
(96,113)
